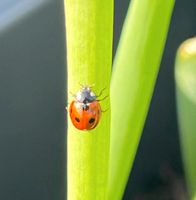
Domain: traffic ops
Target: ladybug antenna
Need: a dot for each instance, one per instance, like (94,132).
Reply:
(86,86)
(81,85)
(92,85)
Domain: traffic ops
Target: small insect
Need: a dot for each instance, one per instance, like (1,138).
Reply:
(85,111)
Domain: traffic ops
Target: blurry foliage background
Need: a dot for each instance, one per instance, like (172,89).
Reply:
(32,86)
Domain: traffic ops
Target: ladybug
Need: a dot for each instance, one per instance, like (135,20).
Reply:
(85,110)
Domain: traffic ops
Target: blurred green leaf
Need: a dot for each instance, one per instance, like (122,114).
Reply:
(185,75)
(136,66)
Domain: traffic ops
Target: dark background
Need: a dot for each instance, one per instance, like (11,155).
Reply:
(32,86)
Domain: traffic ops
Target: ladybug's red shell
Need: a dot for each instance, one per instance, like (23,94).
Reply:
(85,116)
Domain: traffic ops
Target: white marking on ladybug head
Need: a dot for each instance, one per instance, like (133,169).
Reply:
(80,97)
(92,94)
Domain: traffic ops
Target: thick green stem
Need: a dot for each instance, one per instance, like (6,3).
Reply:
(89,29)
(185,74)
(135,70)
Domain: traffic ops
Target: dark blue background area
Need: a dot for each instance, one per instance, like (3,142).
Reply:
(32,98)
(33,95)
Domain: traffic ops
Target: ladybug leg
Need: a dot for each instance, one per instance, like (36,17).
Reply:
(101,92)
(72,94)
(66,106)
(103,98)
(104,110)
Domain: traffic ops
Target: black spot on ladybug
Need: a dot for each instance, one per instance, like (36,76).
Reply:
(77,119)
(91,120)
(71,111)
(85,107)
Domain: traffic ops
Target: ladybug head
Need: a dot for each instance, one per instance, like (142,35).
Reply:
(85,95)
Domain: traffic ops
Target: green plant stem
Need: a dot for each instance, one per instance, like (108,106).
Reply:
(135,70)
(89,30)
(185,75)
